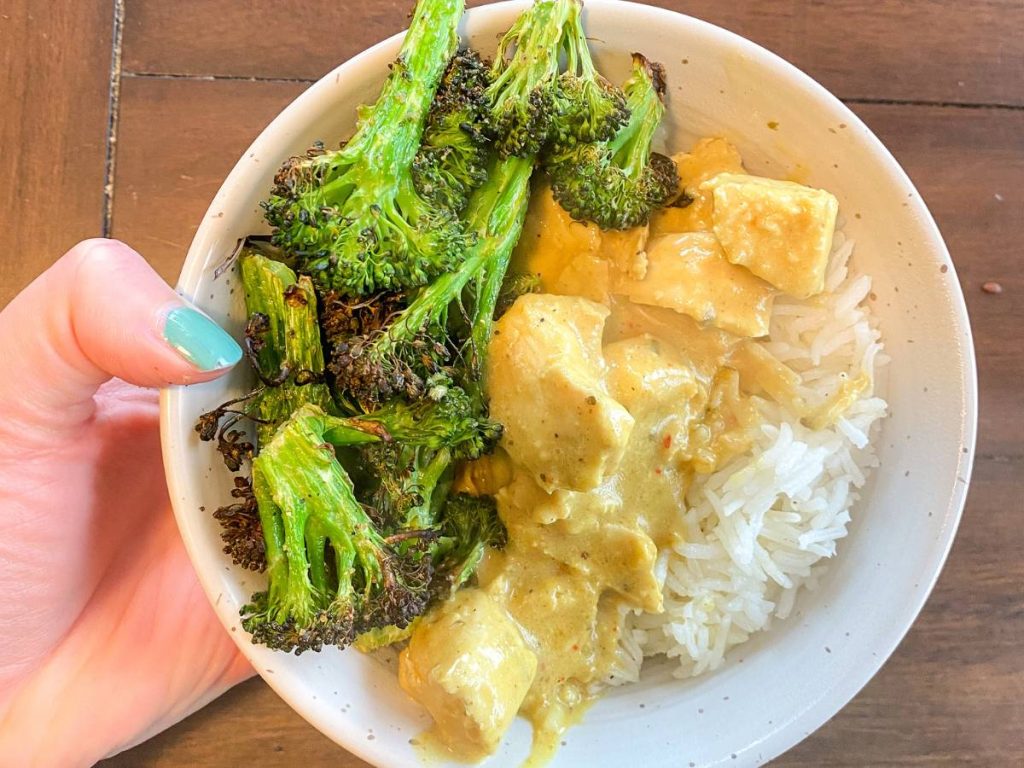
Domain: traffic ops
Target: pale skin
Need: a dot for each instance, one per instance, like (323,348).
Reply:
(105,634)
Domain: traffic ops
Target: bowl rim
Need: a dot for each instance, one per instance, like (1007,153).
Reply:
(833,697)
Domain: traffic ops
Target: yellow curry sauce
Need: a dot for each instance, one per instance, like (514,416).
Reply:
(633,371)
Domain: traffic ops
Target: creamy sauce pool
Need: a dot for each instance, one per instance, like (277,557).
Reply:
(631,373)
(577,560)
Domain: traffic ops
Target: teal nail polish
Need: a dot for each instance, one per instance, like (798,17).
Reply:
(199,340)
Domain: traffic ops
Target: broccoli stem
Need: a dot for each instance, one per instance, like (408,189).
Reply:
(289,304)
(429,479)
(389,133)
(310,511)
(498,216)
(578,49)
(535,35)
(287,351)
(495,213)
(273,532)
(631,146)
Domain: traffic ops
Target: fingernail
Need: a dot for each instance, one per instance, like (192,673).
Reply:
(199,340)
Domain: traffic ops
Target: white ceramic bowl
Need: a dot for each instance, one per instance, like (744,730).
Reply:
(800,674)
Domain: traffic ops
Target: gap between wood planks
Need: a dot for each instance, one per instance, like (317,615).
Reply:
(113,112)
(310,80)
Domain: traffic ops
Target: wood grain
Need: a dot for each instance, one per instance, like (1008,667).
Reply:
(248,727)
(177,141)
(54,69)
(889,49)
(938,699)
(198,37)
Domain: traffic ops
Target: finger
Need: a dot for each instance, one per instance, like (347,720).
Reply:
(100,312)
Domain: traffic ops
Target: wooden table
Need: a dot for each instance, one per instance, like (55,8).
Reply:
(133,144)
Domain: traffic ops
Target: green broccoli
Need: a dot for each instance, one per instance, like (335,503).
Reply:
(409,450)
(408,485)
(618,184)
(282,343)
(447,418)
(353,217)
(532,101)
(410,343)
(411,473)
(516,285)
(468,524)
(592,107)
(331,573)
(452,160)
(414,469)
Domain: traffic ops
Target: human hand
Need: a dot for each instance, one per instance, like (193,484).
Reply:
(105,634)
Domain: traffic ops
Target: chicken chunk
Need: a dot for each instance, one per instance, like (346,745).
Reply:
(468,665)
(779,230)
(689,273)
(625,251)
(706,346)
(545,371)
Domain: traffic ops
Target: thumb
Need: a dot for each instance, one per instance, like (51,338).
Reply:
(100,312)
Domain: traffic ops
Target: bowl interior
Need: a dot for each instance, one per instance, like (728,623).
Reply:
(782,685)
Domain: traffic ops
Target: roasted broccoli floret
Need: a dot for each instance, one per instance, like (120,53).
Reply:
(469,524)
(410,448)
(515,286)
(592,107)
(335,568)
(242,532)
(282,343)
(446,418)
(400,357)
(618,184)
(452,160)
(408,485)
(331,573)
(349,326)
(532,101)
(414,468)
(375,363)
(353,217)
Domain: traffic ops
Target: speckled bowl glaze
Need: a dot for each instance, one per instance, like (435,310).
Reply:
(782,685)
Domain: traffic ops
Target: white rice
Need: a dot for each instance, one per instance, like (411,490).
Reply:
(757,529)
